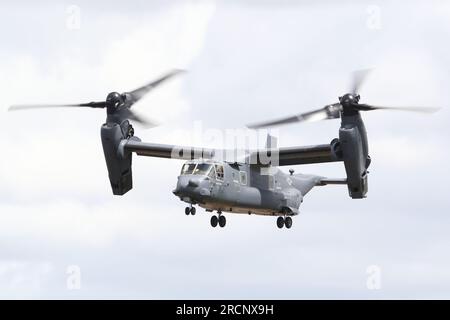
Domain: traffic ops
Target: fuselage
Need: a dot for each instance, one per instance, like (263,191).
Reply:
(239,188)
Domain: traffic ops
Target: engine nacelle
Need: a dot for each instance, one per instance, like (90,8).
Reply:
(119,167)
(353,144)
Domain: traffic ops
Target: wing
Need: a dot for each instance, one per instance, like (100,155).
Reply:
(164,150)
(276,157)
(293,155)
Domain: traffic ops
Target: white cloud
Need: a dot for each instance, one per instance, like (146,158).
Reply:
(56,146)
(407,153)
(20,279)
(246,63)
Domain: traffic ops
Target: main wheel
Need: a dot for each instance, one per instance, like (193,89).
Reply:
(288,222)
(214,221)
(222,221)
(280,222)
(187,210)
(193,211)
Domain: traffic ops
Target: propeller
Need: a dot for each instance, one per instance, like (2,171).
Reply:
(117,105)
(348,105)
(358,78)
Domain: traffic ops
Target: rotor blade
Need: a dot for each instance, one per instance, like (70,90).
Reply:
(329,112)
(368,107)
(358,78)
(100,104)
(140,92)
(144,122)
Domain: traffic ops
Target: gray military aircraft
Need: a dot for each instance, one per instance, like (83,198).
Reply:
(254,185)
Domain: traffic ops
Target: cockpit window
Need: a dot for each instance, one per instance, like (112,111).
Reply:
(188,168)
(202,168)
(212,173)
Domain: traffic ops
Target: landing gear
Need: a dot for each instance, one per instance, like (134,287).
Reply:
(218,220)
(189,210)
(281,221)
(222,221)
(214,221)
(288,222)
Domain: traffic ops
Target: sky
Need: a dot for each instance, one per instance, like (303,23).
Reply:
(64,235)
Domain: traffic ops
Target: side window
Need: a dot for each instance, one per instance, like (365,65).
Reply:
(243,177)
(235,177)
(219,172)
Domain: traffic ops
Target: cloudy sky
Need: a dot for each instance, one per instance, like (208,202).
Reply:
(64,235)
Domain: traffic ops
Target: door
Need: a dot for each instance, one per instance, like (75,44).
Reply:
(218,186)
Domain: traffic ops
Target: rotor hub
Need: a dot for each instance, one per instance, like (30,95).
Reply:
(349,99)
(113,101)
(349,103)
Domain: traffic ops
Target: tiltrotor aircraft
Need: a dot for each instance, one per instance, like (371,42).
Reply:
(254,185)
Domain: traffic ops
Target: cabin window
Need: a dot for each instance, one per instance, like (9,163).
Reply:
(243,177)
(219,172)
(188,168)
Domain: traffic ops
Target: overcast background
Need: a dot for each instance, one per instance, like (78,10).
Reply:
(247,61)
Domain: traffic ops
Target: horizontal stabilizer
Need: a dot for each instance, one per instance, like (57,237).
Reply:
(326,181)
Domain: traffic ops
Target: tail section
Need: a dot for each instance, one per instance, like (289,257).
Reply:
(327,181)
(305,182)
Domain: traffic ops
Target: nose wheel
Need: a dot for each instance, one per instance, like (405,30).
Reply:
(189,210)
(284,222)
(218,220)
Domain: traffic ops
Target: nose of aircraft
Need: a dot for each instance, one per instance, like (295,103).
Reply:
(194,182)
(192,186)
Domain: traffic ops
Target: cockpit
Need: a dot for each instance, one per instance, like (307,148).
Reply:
(202,168)
(212,170)
(188,168)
